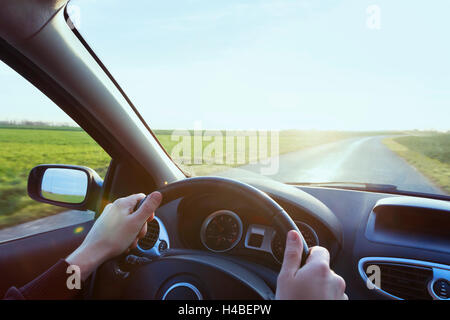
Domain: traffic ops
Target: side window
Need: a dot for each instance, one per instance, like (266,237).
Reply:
(33,131)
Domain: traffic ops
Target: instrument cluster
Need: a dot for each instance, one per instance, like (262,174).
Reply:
(223,230)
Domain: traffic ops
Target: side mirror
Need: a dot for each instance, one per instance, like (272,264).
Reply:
(73,187)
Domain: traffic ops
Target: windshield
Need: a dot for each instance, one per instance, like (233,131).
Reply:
(296,91)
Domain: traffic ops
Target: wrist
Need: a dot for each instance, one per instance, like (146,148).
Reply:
(87,258)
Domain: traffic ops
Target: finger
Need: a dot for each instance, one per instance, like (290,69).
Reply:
(133,245)
(129,202)
(143,231)
(318,255)
(147,209)
(340,285)
(105,211)
(292,254)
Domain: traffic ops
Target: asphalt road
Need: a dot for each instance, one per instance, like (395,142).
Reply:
(363,160)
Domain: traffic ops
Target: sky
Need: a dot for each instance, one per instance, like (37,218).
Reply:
(65,182)
(266,64)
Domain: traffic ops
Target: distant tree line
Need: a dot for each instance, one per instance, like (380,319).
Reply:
(29,123)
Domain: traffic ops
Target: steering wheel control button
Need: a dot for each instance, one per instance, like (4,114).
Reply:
(162,246)
(441,288)
(182,291)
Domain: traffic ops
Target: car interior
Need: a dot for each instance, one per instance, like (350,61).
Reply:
(405,236)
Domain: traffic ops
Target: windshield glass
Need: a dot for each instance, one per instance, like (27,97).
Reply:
(296,91)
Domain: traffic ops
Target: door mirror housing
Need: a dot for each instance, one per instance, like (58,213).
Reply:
(74,187)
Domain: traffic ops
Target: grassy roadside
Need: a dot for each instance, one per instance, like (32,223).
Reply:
(430,154)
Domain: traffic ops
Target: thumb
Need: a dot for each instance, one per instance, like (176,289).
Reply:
(148,207)
(292,253)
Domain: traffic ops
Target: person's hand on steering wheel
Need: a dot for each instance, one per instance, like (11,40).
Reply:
(117,230)
(314,281)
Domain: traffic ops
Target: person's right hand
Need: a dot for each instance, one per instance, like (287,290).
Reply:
(314,281)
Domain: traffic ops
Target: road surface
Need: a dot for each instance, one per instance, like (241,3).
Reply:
(364,159)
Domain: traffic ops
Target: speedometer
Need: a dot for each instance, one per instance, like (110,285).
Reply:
(221,231)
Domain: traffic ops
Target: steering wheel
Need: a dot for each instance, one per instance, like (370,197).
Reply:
(195,274)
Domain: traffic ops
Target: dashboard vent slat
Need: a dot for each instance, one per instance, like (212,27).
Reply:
(151,237)
(404,281)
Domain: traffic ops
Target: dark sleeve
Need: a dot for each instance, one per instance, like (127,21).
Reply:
(51,285)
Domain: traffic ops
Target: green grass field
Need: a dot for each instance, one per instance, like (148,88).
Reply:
(428,153)
(62,197)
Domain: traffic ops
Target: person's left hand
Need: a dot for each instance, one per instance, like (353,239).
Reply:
(116,230)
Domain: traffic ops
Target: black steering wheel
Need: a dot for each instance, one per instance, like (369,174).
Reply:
(194,274)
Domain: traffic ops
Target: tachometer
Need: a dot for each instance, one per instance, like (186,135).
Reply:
(221,231)
(308,233)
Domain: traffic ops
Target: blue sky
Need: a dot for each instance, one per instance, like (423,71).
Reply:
(268,64)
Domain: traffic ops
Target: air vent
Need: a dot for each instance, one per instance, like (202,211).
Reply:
(151,236)
(404,281)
